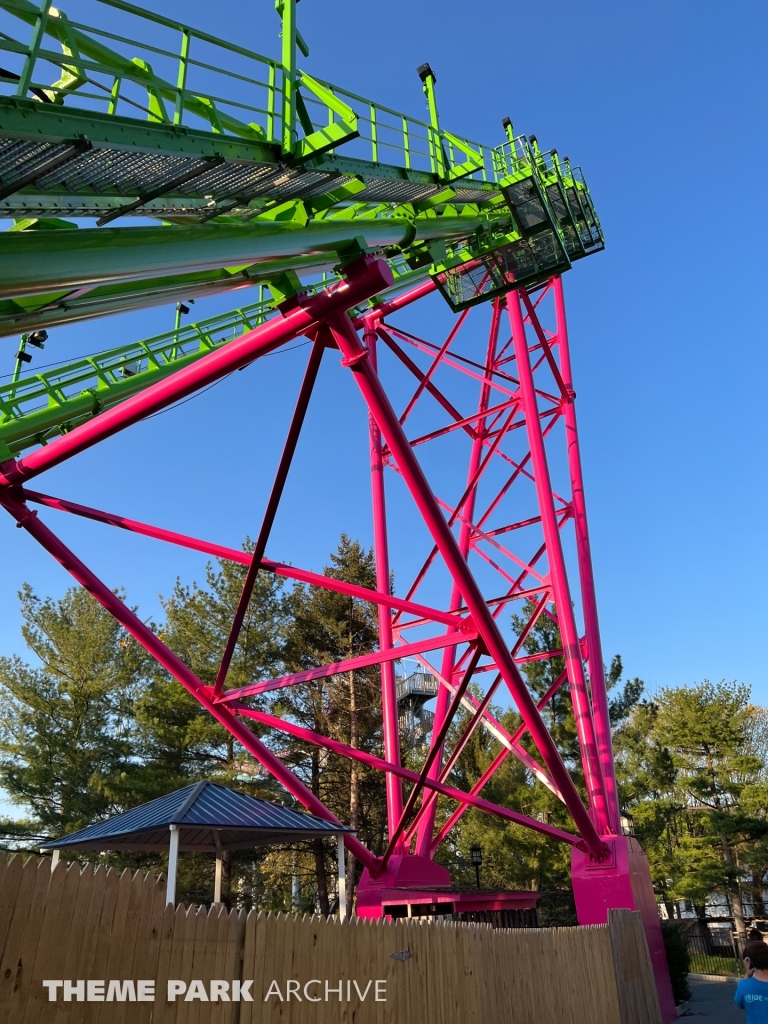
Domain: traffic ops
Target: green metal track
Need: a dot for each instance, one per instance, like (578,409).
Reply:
(257,170)
(40,406)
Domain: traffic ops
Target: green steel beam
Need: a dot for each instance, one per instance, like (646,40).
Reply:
(38,407)
(42,262)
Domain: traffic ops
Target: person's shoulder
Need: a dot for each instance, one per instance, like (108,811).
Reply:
(752,984)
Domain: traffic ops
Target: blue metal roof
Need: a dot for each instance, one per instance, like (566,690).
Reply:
(209,817)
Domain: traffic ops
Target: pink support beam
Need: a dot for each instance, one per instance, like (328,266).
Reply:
(464,805)
(497,730)
(390,724)
(586,575)
(356,358)
(149,641)
(294,432)
(429,386)
(581,707)
(425,378)
(434,751)
(468,499)
(480,711)
(354,754)
(243,558)
(365,279)
(349,665)
(497,762)
(393,305)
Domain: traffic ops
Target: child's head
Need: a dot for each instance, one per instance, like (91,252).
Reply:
(755,935)
(757,954)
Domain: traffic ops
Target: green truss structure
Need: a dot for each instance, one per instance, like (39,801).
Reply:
(253,172)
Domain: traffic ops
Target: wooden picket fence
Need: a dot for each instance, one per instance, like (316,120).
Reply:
(82,924)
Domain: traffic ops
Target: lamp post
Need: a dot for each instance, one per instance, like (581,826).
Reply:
(476,858)
(627,824)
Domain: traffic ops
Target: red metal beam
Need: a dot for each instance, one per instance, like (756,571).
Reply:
(243,558)
(582,709)
(294,431)
(364,280)
(390,725)
(598,692)
(433,643)
(497,762)
(354,754)
(434,750)
(479,712)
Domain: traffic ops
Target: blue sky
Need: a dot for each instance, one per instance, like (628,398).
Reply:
(663,105)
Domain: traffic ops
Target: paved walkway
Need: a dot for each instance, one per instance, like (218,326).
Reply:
(713,1000)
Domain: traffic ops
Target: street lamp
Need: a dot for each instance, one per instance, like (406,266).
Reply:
(36,339)
(627,824)
(476,858)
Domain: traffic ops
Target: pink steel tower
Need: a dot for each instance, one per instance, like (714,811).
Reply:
(487,418)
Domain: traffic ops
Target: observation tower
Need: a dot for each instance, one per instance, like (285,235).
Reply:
(145,163)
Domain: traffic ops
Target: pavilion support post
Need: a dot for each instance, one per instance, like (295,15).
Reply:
(55,859)
(217,880)
(219,867)
(173,862)
(341,860)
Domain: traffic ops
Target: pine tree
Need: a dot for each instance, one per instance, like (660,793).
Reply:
(67,726)
(179,739)
(696,789)
(327,627)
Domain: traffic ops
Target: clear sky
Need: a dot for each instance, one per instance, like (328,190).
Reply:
(663,105)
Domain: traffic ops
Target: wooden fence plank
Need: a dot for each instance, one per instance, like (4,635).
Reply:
(637,996)
(25,927)
(163,1012)
(10,893)
(146,957)
(51,951)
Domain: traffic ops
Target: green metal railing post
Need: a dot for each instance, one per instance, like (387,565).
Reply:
(271,86)
(34,48)
(181,81)
(114,96)
(374,135)
(406,144)
(176,328)
(427,76)
(17,367)
(287,11)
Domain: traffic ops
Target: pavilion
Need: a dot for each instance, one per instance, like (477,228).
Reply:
(204,817)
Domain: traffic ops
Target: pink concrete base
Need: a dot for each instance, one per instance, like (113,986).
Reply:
(623,882)
(402,872)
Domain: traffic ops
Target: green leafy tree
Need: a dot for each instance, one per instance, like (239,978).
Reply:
(327,627)
(180,740)
(67,724)
(696,789)
(177,740)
